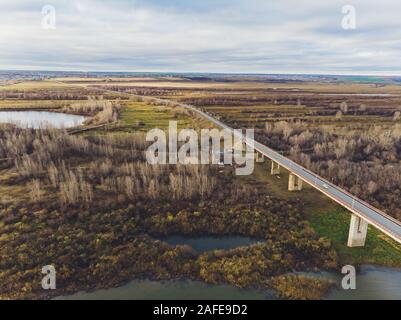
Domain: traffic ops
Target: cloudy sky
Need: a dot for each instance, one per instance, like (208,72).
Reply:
(252,36)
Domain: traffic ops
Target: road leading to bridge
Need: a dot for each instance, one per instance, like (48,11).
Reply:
(382,221)
(373,216)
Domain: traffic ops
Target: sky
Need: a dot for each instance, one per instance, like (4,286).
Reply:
(230,36)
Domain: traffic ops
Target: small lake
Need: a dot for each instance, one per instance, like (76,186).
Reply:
(202,244)
(41,119)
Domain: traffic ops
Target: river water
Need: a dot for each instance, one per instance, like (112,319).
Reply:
(372,283)
(172,290)
(41,119)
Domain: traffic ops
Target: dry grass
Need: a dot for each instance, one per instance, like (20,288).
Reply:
(30,85)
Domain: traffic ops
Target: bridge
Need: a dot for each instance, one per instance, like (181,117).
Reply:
(362,213)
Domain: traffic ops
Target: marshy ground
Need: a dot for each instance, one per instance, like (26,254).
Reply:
(92,206)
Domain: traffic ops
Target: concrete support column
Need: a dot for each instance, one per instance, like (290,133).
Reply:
(294,183)
(275,169)
(358,230)
(259,157)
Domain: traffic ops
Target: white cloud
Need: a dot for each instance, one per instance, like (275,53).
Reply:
(190,35)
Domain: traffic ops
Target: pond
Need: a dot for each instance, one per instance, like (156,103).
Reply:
(40,119)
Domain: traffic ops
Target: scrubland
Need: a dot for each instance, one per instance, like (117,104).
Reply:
(94,208)
(91,205)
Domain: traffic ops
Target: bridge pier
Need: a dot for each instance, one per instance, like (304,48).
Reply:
(259,157)
(294,183)
(358,230)
(275,170)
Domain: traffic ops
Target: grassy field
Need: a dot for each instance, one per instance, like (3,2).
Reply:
(33,104)
(30,85)
(334,224)
(139,116)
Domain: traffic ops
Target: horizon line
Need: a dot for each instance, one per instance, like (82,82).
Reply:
(287,73)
